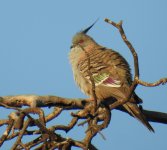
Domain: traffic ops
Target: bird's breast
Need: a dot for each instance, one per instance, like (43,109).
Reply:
(75,56)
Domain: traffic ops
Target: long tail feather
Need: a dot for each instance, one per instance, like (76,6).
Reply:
(136,112)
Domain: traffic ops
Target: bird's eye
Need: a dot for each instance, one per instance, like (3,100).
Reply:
(81,41)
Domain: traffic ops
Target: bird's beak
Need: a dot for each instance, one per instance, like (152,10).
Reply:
(71,46)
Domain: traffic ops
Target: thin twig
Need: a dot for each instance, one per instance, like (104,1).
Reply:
(65,128)
(157,83)
(136,66)
(6,133)
(21,133)
(57,111)
(123,35)
(91,79)
(35,142)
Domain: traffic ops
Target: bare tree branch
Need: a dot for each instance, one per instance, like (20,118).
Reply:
(91,79)
(21,133)
(6,133)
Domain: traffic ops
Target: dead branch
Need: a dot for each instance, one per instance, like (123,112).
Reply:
(91,79)
(157,83)
(83,105)
(21,133)
(6,133)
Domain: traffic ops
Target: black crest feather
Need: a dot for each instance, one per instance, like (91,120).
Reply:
(88,28)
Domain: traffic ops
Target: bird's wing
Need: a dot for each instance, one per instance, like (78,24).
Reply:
(108,68)
(105,78)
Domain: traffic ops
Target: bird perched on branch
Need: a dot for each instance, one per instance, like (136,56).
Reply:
(110,72)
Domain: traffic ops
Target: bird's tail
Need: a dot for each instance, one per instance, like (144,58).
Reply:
(136,112)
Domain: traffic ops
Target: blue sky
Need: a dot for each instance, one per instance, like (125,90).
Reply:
(35,39)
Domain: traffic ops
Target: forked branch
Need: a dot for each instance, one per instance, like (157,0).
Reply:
(136,80)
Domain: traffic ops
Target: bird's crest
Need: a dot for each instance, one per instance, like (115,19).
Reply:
(88,28)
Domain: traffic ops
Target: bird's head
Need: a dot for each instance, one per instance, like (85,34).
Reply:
(82,39)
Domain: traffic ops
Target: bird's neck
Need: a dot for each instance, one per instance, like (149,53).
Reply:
(91,47)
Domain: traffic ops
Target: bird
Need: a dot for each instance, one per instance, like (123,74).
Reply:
(110,71)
